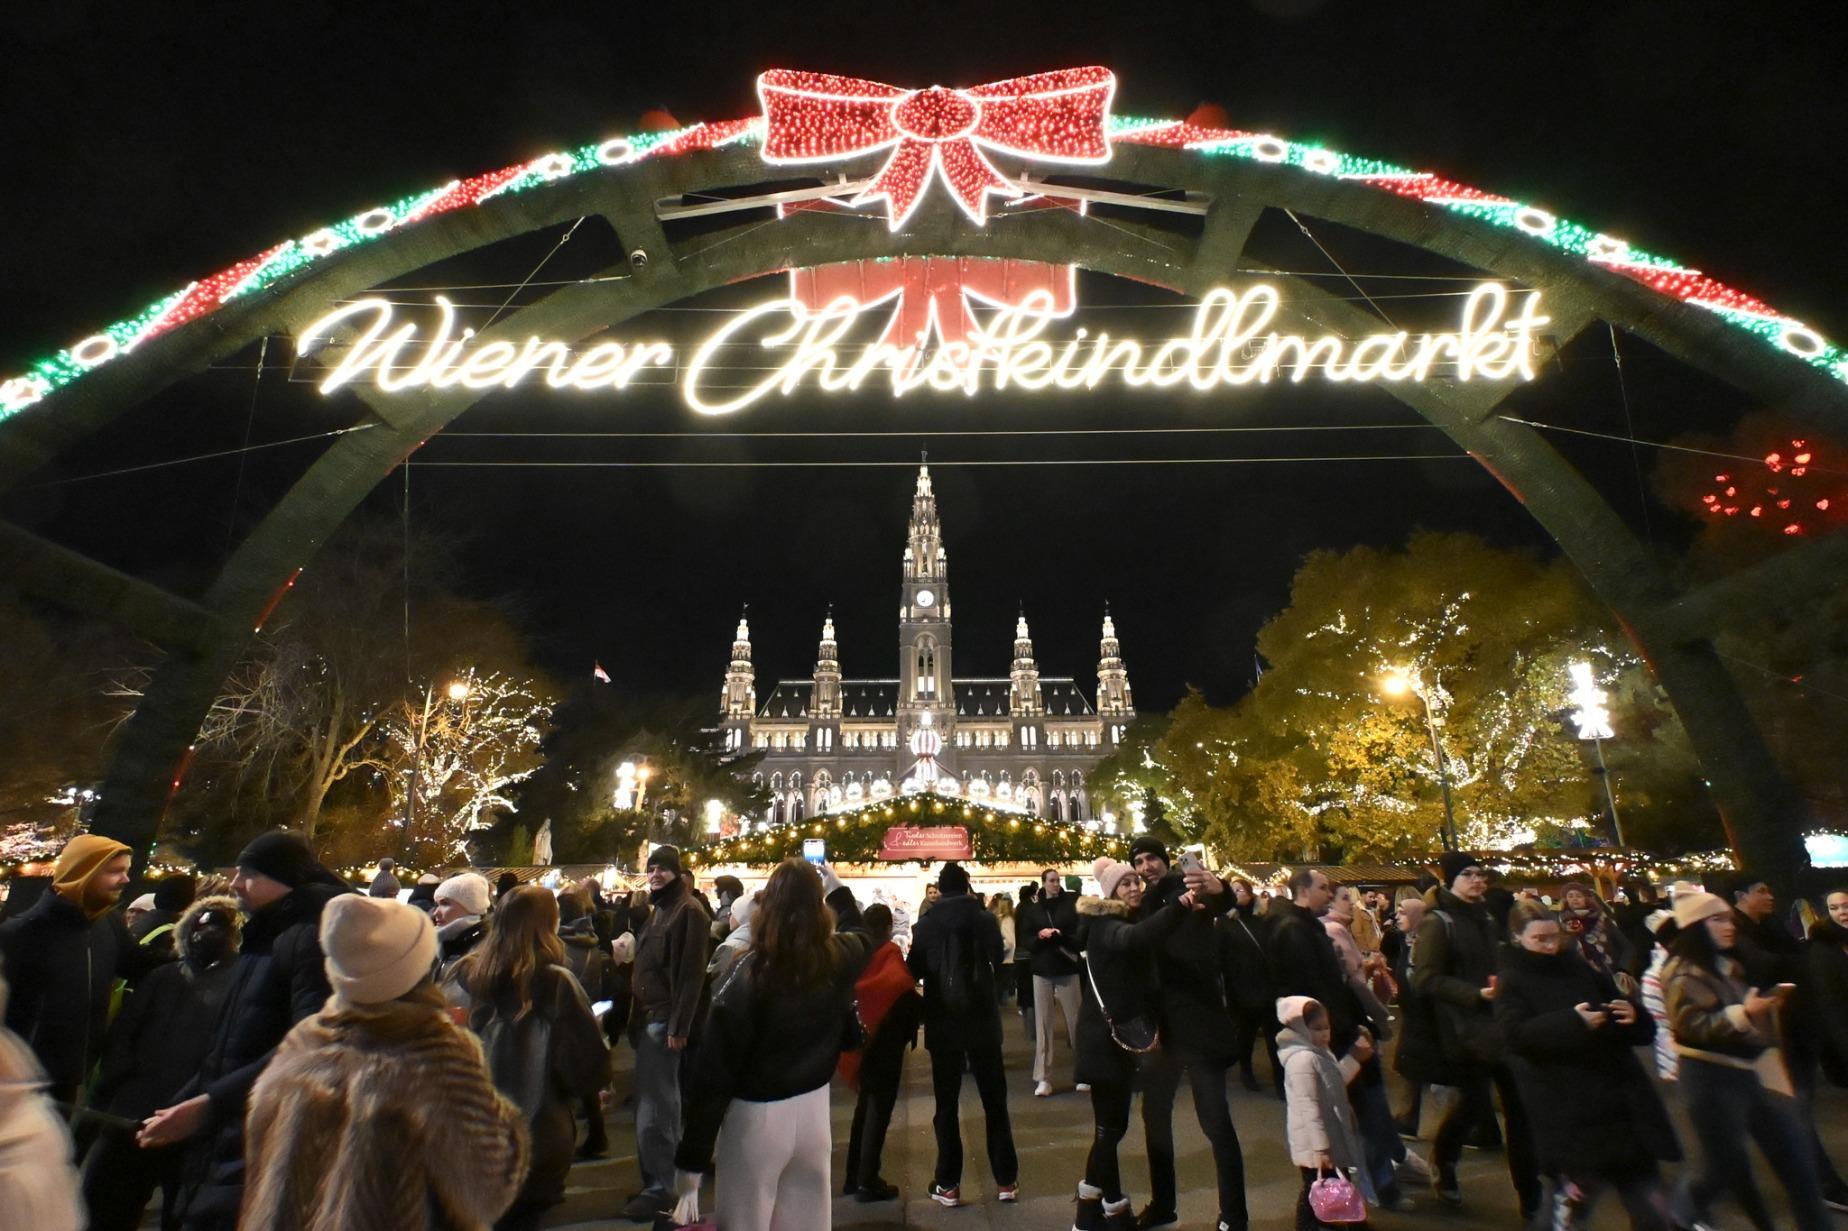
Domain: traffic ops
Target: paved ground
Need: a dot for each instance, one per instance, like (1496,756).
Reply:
(1052,1136)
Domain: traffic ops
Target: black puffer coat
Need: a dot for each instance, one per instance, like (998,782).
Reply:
(62,965)
(1116,954)
(1193,1014)
(1241,934)
(1457,949)
(1593,1108)
(278,979)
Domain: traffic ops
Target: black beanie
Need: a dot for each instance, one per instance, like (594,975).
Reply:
(282,856)
(1149,844)
(1455,863)
(175,893)
(665,856)
(953,879)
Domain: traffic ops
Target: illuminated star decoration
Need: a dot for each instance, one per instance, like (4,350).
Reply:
(1593,719)
(1061,116)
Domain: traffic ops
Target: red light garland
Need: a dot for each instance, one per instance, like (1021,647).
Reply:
(1061,116)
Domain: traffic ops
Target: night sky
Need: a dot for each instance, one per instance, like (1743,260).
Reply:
(147,149)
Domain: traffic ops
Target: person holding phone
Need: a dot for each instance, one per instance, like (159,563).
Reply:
(1572,1038)
(1733,1074)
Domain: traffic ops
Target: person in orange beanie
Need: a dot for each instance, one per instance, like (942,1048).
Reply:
(64,954)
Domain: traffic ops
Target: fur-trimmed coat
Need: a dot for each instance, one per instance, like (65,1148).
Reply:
(380,1118)
(1118,965)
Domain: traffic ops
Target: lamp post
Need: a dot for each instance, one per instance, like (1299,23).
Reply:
(1594,724)
(457,691)
(1397,683)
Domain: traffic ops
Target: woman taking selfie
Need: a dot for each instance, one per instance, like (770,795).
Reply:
(1732,1073)
(1598,1122)
(1115,1024)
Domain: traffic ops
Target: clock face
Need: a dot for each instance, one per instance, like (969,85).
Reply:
(926,598)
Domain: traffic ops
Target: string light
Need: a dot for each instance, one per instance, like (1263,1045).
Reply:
(1059,116)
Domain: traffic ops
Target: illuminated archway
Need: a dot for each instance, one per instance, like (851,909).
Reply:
(643,185)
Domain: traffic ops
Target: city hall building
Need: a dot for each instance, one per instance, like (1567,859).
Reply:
(1022,741)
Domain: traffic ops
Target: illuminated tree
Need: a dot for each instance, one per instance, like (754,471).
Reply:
(1319,760)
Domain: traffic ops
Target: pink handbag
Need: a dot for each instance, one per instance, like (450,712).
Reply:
(1333,1198)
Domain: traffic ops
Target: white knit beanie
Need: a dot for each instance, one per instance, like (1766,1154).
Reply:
(377,948)
(1109,874)
(469,890)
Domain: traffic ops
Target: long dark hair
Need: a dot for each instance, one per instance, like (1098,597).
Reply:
(791,929)
(522,938)
(1695,945)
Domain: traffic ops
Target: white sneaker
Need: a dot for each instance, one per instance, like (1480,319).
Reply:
(1416,1167)
(1082,1087)
(1043,1090)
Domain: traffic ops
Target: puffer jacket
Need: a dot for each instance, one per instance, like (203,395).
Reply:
(381,1118)
(1117,966)
(1592,1106)
(160,1037)
(764,1043)
(1456,955)
(278,978)
(62,965)
(1053,959)
(1318,1116)
(1706,1012)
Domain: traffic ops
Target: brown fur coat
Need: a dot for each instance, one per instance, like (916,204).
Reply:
(380,1118)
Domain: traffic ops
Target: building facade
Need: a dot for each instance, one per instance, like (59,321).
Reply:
(1024,740)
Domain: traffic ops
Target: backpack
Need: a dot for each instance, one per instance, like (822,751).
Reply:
(956,975)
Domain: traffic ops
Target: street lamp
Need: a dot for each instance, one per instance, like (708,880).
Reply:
(1397,682)
(1594,724)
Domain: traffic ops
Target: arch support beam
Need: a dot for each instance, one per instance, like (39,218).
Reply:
(46,570)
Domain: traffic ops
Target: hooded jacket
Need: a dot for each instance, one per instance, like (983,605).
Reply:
(381,1118)
(1117,967)
(62,965)
(764,1043)
(958,941)
(587,958)
(161,1035)
(278,978)
(1318,1117)
(1593,1108)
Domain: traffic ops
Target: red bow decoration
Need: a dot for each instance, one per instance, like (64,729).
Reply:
(1060,116)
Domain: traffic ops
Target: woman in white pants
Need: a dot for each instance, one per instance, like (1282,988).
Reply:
(757,1084)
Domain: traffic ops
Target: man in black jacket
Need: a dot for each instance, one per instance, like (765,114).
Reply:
(278,979)
(1454,970)
(63,956)
(955,950)
(1055,973)
(1196,1037)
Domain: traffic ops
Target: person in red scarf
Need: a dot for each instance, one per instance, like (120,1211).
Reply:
(886,997)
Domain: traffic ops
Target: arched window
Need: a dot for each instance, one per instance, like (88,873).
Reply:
(926,682)
(1077,805)
(1052,806)
(796,811)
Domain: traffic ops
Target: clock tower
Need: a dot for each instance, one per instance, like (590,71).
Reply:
(924,624)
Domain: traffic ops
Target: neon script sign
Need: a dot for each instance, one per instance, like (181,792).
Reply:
(1232,343)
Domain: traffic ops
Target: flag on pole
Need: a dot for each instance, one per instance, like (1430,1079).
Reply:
(598,673)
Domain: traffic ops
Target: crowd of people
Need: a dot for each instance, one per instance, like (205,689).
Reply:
(281,1049)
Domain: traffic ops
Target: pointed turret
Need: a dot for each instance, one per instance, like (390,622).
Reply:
(924,555)
(1023,698)
(740,691)
(825,692)
(1113,697)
